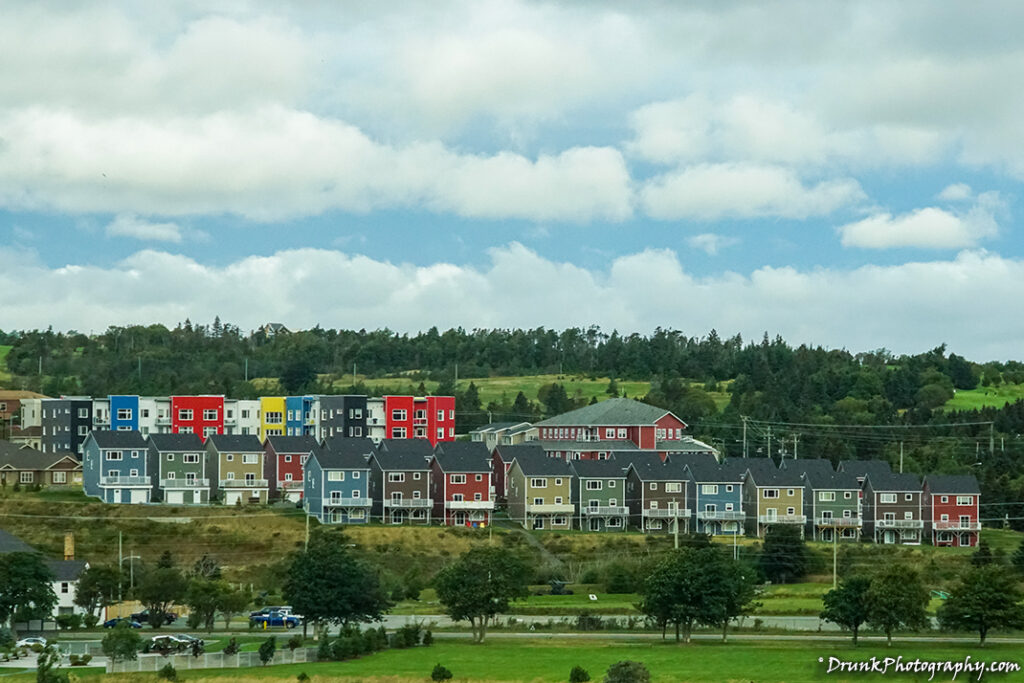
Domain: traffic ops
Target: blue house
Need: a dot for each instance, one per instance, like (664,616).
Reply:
(716,494)
(124,413)
(300,416)
(114,467)
(336,481)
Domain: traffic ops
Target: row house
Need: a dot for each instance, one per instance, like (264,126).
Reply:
(504,434)
(400,485)
(894,508)
(656,494)
(178,463)
(952,513)
(540,491)
(411,417)
(771,496)
(502,457)
(831,500)
(599,494)
(715,492)
(300,416)
(27,466)
(10,408)
(463,485)
(284,458)
(336,481)
(201,415)
(272,412)
(236,469)
(115,467)
(592,432)
(342,415)
(65,422)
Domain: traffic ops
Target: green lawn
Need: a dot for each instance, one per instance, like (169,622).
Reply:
(549,660)
(968,399)
(5,376)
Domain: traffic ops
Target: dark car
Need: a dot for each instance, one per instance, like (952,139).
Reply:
(111,623)
(274,619)
(143,617)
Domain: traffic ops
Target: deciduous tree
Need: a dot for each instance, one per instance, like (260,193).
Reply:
(784,557)
(897,598)
(847,605)
(985,598)
(26,589)
(479,586)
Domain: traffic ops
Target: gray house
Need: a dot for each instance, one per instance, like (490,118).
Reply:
(178,464)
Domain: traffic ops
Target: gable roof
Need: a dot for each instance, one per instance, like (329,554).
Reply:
(508,451)
(67,570)
(116,439)
(612,412)
(598,469)
(420,447)
(952,483)
(895,482)
(627,458)
(462,461)
(647,470)
(176,442)
(763,472)
(864,468)
(819,466)
(820,478)
(9,543)
(703,468)
(470,449)
(24,458)
(292,444)
(495,427)
(344,453)
(534,464)
(235,443)
(399,460)
(611,445)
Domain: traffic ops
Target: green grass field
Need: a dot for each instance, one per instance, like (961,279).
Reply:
(550,660)
(971,399)
(5,376)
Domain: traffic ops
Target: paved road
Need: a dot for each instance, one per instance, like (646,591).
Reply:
(794,623)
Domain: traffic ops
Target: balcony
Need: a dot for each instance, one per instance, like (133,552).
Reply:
(163,421)
(244,483)
(125,481)
(605,510)
(551,508)
(419,421)
(348,502)
(659,513)
(470,505)
(289,485)
(409,502)
(374,421)
(721,515)
(957,526)
(184,483)
(100,421)
(782,519)
(841,522)
(899,523)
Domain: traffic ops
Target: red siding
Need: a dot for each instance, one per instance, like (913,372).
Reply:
(955,512)
(197,404)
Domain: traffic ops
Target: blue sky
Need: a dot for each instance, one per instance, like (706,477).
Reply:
(841,174)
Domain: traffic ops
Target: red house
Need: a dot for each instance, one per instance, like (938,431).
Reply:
(420,417)
(282,466)
(501,461)
(596,431)
(200,415)
(951,509)
(461,484)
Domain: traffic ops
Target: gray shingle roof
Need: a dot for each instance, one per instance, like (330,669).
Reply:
(863,468)
(822,479)
(420,447)
(344,453)
(598,469)
(666,471)
(627,458)
(703,468)
(802,465)
(506,453)
(9,543)
(952,483)
(764,472)
(66,570)
(587,446)
(23,458)
(534,464)
(115,439)
(474,449)
(236,443)
(462,461)
(405,460)
(176,442)
(611,412)
(293,444)
(895,482)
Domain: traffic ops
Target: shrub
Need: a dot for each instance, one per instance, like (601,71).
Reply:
(6,638)
(346,647)
(267,649)
(68,622)
(440,673)
(295,642)
(302,677)
(428,638)
(627,671)
(324,651)
(578,675)
(90,620)
(232,648)
(168,673)
(407,636)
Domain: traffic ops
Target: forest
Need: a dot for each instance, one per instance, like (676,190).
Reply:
(787,400)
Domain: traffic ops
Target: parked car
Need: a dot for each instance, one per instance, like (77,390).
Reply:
(143,617)
(111,623)
(284,609)
(274,619)
(174,642)
(29,642)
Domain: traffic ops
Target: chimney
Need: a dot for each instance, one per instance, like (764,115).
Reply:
(69,546)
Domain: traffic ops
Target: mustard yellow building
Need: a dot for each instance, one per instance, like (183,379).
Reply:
(272,409)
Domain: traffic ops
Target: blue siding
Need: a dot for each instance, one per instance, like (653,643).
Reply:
(720,500)
(317,492)
(124,403)
(91,469)
(311,479)
(297,409)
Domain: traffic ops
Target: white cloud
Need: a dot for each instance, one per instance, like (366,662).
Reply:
(711,243)
(929,228)
(127,225)
(853,309)
(713,191)
(957,192)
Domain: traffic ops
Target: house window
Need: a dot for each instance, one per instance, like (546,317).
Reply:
(457,479)
(245,414)
(887,498)
(728,488)
(250,458)
(539,483)
(609,433)
(184,415)
(209,415)
(190,458)
(654,487)
(398,415)
(114,455)
(593,485)
(848,495)
(133,473)
(60,477)
(457,497)
(440,432)
(396,477)
(83,430)
(908,497)
(209,431)
(440,416)
(274,418)
(83,412)
(416,476)
(770,493)
(171,475)
(65,587)
(230,457)
(231,476)
(611,483)
(622,433)
(288,476)
(673,487)
(398,432)
(335,475)
(908,515)
(826,496)
(479,477)
(709,489)
(538,501)
(965,500)
(184,430)
(355,475)
(558,481)
(27,477)
(478,496)
(124,413)
(790,492)
(945,499)
(790,511)
(287,458)
(170,457)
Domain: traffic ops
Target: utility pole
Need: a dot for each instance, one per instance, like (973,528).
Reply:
(769,441)
(901,457)
(456,375)
(835,555)
(744,418)
(307,530)
(795,439)
(246,369)
(675,516)
(120,560)
(991,439)
(140,370)
(353,374)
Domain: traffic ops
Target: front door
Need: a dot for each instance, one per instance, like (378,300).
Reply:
(460,519)
(889,537)
(397,516)
(595,525)
(117,495)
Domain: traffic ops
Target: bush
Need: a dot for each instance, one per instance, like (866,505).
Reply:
(267,649)
(324,651)
(232,648)
(168,673)
(627,672)
(6,638)
(295,642)
(90,620)
(67,622)
(440,673)
(407,636)
(302,677)
(428,638)
(346,647)
(578,675)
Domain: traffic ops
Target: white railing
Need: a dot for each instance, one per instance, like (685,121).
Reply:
(721,515)
(126,481)
(184,483)
(957,526)
(782,519)
(348,502)
(605,510)
(666,513)
(840,521)
(899,523)
(550,508)
(409,502)
(244,483)
(469,504)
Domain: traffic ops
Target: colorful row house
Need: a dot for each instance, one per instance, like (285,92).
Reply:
(462,484)
(716,494)
(656,494)
(771,496)
(599,494)
(540,491)
(179,464)
(114,467)
(336,481)
(283,463)
(400,482)
(952,513)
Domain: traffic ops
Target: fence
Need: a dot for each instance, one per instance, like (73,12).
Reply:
(212,660)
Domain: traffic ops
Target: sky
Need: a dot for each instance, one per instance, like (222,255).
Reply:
(841,174)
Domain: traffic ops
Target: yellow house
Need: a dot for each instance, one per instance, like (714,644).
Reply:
(272,409)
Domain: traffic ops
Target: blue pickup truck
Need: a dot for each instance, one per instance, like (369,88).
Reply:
(271,619)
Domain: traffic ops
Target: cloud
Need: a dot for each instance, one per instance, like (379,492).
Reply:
(711,243)
(516,287)
(929,228)
(956,192)
(132,226)
(714,191)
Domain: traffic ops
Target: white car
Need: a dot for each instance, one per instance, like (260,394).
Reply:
(29,642)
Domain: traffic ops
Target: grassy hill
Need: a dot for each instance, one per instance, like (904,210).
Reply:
(996,397)
(5,376)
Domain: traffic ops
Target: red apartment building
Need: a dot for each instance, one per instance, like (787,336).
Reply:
(200,415)
(415,417)
(952,509)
